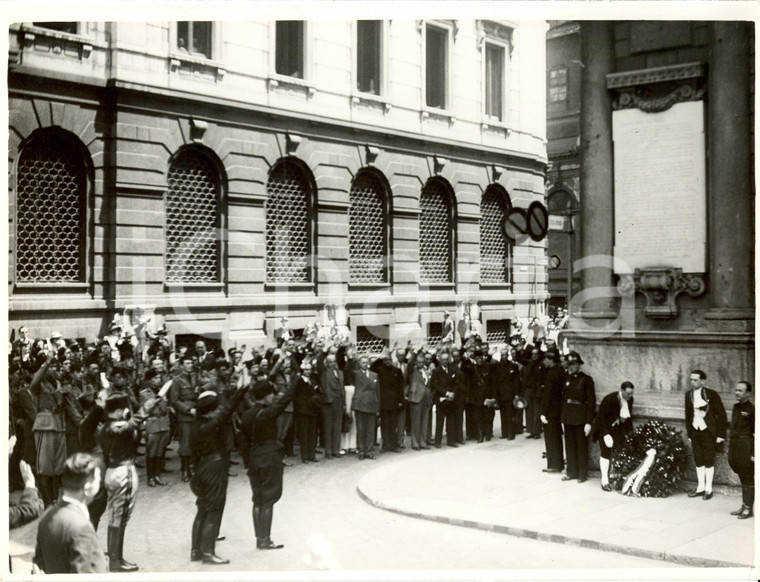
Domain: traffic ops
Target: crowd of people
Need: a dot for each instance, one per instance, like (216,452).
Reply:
(76,408)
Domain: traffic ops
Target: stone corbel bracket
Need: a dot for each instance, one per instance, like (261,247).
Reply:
(659,88)
(661,286)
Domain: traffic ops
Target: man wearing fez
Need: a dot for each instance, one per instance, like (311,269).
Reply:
(551,411)
(118,439)
(182,400)
(613,422)
(263,456)
(208,443)
(66,540)
(741,452)
(578,404)
(706,428)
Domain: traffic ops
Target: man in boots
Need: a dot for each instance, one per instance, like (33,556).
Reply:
(118,439)
(741,452)
(156,427)
(182,399)
(262,453)
(208,443)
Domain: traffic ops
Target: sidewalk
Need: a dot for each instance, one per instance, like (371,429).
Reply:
(499,486)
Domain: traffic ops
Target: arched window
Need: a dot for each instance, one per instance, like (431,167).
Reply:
(436,233)
(51,204)
(192,219)
(367,230)
(288,234)
(495,251)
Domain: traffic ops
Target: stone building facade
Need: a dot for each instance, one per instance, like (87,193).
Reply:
(216,176)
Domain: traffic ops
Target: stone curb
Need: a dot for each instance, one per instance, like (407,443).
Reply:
(691,561)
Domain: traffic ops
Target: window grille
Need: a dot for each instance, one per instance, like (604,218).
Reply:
(51,188)
(494,250)
(366,231)
(192,246)
(194,37)
(288,228)
(368,52)
(434,332)
(497,331)
(368,342)
(436,58)
(289,49)
(435,234)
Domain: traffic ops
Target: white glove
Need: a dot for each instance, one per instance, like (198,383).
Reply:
(586,429)
(608,441)
(543,420)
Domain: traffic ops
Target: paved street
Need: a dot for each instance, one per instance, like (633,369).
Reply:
(323,498)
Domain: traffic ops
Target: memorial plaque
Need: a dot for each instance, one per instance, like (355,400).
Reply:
(660,192)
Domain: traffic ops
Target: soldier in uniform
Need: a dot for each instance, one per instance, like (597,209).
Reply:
(262,452)
(532,375)
(208,442)
(182,399)
(613,422)
(551,411)
(578,403)
(156,426)
(118,438)
(741,452)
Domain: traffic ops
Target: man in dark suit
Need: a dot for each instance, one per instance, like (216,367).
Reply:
(551,411)
(706,428)
(66,541)
(505,385)
(391,382)
(578,403)
(333,405)
(443,385)
(613,422)
(420,401)
(366,405)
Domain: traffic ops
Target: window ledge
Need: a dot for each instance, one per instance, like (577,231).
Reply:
(504,285)
(367,286)
(36,37)
(372,100)
(290,83)
(72,286)
(440,286)
(440,115)
(493,125)
(274,285)
(171,287)
(196,64)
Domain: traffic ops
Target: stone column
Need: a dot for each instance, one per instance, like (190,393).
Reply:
(731,269)
(597,218)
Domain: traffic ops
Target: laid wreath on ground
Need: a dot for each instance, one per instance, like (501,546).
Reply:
(651,461)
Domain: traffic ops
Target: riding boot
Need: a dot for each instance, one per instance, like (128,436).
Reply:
(747,512)
(126,566)
(185,468)
(257,523)
(114,563)
(208,545)
(195,552)
(265,542)
(157,471)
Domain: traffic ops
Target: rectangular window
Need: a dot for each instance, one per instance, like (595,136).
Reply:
(194,38)
(69,27)
(371,340)
(289,48)
(434,332)
(368,54)
(558,85)
(436,59)
(494,81)
(498,330)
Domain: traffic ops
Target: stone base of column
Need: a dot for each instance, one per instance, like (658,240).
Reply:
(728,313)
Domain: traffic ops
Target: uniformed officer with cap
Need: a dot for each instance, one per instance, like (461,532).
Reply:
(578,403)
(552,378)
(208,444)
(263,455)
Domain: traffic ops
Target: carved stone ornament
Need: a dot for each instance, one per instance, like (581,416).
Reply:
(197,129)
(657,89)
(661,286)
